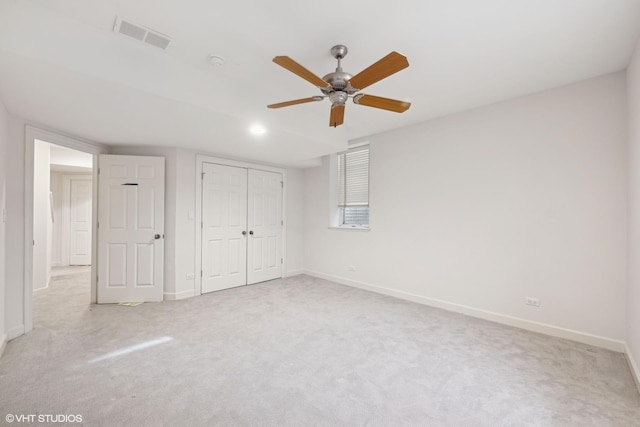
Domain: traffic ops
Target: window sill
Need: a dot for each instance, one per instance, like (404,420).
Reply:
(350,228)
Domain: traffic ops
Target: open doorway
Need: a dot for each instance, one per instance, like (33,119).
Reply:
(62,230)
(35,166)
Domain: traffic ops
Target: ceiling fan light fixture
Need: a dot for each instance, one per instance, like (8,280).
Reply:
(338,97)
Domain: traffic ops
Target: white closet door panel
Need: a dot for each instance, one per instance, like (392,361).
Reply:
(265,226)
(224,219)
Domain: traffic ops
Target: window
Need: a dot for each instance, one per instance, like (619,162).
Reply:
(353,181)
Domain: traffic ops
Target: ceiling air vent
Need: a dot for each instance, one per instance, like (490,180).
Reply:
(139,32)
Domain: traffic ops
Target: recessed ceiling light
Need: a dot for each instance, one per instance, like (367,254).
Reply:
(257,129)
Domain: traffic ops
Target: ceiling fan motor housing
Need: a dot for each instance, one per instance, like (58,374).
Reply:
(338,81)
(340,89)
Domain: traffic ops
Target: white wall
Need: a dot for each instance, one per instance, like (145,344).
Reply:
(633,292)
(294,213)
(184,212)
(4,119)
(14,302)
(57,259)
(42,224)
(525,198)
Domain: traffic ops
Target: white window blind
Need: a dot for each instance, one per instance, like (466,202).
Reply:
(353,172)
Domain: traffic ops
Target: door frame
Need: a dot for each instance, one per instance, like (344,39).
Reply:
(66,213)
(31,134)
(200,160)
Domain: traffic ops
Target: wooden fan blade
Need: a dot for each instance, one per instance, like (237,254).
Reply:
(299,70)
(295,102)
(337,115)
(382,103)
(388,65)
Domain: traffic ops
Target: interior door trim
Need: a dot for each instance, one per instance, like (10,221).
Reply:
(200,160)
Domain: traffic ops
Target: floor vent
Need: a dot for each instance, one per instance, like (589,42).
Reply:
(139,32)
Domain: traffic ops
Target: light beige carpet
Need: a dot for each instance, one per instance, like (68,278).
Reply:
(301,352)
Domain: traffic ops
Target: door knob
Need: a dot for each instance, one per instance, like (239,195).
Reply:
(251,232)
(157,236)
(244,233)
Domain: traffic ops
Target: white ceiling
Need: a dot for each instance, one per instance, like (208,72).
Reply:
(61,65)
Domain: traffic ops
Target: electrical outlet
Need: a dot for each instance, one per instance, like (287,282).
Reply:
(534,302)
(351,268)
(190,276)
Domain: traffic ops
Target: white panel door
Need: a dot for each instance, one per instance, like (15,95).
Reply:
(224,221)
(80,222)
(130,228)
(264,250)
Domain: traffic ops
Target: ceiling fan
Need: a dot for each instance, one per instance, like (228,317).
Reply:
(340,86)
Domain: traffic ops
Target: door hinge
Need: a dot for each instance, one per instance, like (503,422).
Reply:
(281,222)
(201,224)
(282,184)
(97,279)
(200,273)
(281,260)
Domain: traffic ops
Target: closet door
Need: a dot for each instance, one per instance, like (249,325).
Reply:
(224,220)
(264,246)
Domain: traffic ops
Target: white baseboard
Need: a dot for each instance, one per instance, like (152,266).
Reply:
(555,331)
(15,332)
(3,344)
(635,371)
(41,289)
(293,273)
(174,296)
